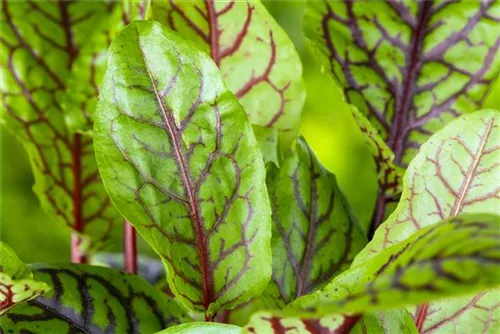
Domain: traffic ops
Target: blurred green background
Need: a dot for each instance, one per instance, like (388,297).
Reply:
(326,124)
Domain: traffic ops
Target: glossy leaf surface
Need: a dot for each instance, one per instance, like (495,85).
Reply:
(180,161)
(93,300)
(315,237)
(410,67)
(257,59)
(451,258)
(202,327)
(457,171)
(17,284)
(39,45)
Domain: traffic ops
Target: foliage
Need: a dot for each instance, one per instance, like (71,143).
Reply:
(17,284)
(93,299)
(183,118)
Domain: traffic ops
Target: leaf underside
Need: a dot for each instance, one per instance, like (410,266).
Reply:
(258,61)
(180,161)
(410,67)
(93,300)
(315,236)
(40,43)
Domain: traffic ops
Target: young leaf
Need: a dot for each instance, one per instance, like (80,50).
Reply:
(257,59)
(93,300)
(456,171)
(40,43)
(454,257)
(315,236)
(180,161)
(16,281)
(410,67)
(202,327)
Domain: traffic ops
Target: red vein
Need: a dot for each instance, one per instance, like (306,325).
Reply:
(76,255)
(421,315)
(410,82)
(188,187)
(470,173)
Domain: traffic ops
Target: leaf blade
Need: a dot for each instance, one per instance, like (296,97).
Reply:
(406,96)
(17,284)
(257,59)
(206,169)
(66,179)
(315,237)
(87,298)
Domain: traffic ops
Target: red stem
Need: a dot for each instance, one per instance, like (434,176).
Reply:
(76,255)
(420,318)
(130,248)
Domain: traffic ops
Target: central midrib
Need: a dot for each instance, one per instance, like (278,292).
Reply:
(214,32)
(310,237)
(188,187)
(457,206)
(401,117)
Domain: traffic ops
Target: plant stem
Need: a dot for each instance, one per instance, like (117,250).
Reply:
(76,255)
(130,248)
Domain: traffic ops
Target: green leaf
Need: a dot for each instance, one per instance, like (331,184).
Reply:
(456,172)
(454,257)
(202,327)
(87,71)
(268,139)
(389,174)
(315,237)
(16,281)
(387,322)
(180,161)
(257,60)
(410,67)
(40,43)
(93,300)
